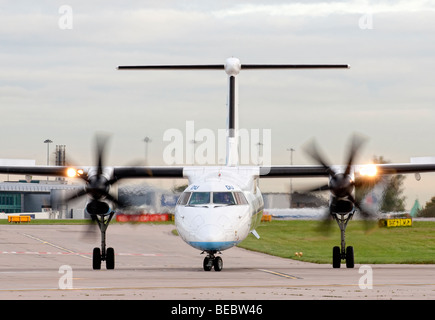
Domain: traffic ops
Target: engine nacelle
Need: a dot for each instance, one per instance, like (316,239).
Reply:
(96,207)
(342,206)
(341,185)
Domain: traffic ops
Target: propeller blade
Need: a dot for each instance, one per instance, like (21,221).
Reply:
(356,144)
(90,232)
(101,143)
(62,199)
(342,185)
(314,152)
(325,223)
(324,187)
(75,194)
(369,216)
(113,199)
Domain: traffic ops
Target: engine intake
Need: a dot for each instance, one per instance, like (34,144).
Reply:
(96,207)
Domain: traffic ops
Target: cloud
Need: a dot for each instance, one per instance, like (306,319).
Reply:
(66,86)
(321,9)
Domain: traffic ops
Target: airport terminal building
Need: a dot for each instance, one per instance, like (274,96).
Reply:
(40,199)
(39,196)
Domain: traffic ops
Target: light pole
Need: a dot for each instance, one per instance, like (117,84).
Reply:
(146,140)
(48,141)
(291,180)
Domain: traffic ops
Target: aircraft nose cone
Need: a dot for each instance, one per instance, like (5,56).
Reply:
(211,238)
(210,233)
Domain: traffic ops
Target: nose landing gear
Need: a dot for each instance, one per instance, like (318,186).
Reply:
(103,254)
(211,261)
(343,253)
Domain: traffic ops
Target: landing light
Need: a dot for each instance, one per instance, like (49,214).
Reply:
(369,170)
(71,172)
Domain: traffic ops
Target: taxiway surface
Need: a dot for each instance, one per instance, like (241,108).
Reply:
(54,262)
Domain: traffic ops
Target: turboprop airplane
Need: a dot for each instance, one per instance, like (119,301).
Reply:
(221,204)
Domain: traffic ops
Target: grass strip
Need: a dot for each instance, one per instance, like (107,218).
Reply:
(415,245)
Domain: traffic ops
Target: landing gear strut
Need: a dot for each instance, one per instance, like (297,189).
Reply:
(103,254)
(211,261)
(343,253)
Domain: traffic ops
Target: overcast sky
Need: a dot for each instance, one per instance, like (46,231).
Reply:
(59,81)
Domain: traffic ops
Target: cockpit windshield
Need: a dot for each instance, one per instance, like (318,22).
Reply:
(219,198)
(223,198)
(199,198)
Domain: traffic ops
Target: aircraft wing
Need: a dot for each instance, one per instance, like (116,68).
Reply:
(116,172)
(131,172)
(148,172)
(52,171)
(403,168)
(321,171)
(293,171)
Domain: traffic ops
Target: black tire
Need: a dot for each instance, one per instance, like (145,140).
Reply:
(96,259)
(110,259)
(350,262)
(207,264)
(336,257)
(218,264)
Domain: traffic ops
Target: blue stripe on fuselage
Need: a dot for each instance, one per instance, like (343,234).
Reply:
(206,246)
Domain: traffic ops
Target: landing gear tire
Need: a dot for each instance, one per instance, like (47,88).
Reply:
(212,262)
(336,257)
(350,262)
(110,259)
(208,263)
(96,259)
(103,254)
(218,264)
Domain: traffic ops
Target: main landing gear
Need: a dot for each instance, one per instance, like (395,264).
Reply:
(211,261)
(343,253)
(103,254)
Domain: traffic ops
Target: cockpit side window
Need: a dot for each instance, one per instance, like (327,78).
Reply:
(240,198)
(199,198)
(223,198)
(184,198)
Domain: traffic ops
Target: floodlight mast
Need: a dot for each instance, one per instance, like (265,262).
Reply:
(232,68)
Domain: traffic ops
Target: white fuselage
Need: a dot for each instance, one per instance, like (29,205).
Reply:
(204,219)
(219,208)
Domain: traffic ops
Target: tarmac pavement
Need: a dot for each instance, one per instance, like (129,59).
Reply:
(55,262)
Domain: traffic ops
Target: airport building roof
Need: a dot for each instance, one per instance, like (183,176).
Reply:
(35,187)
